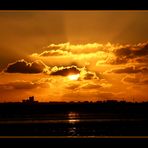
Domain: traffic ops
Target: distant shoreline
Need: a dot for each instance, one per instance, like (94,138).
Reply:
(78,102)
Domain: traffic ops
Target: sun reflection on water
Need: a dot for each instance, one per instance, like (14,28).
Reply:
(73,117)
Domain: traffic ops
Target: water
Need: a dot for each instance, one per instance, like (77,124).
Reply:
(73,124)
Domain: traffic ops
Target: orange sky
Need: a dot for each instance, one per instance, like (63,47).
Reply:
(74,55)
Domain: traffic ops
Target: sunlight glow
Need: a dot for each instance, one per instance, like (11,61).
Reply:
(73,77)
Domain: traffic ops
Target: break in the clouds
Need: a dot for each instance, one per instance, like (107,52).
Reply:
(23,66)
(84,73)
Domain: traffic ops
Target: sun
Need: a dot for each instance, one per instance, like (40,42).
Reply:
(73,77)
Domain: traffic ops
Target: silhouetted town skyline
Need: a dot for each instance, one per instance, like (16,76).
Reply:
(32,100)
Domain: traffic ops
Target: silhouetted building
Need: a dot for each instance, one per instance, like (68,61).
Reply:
(30,100)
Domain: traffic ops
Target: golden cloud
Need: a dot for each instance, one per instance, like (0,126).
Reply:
(99,68)
(78,48)
(52,53)
(92,54)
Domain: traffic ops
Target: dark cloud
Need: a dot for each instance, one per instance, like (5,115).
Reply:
(135,80)
(131,69)
(118,60)
(142,51)
(143,59)
(123,52)
(131,79)
(129,53)
(23,85)
(23,66)
(72,70)
(145,82)
(65,71)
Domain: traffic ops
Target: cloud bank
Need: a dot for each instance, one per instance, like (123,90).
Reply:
(23,66)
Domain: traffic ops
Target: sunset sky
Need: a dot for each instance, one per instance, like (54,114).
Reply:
(74,55)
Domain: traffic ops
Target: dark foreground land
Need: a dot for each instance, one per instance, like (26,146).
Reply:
(74,119)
